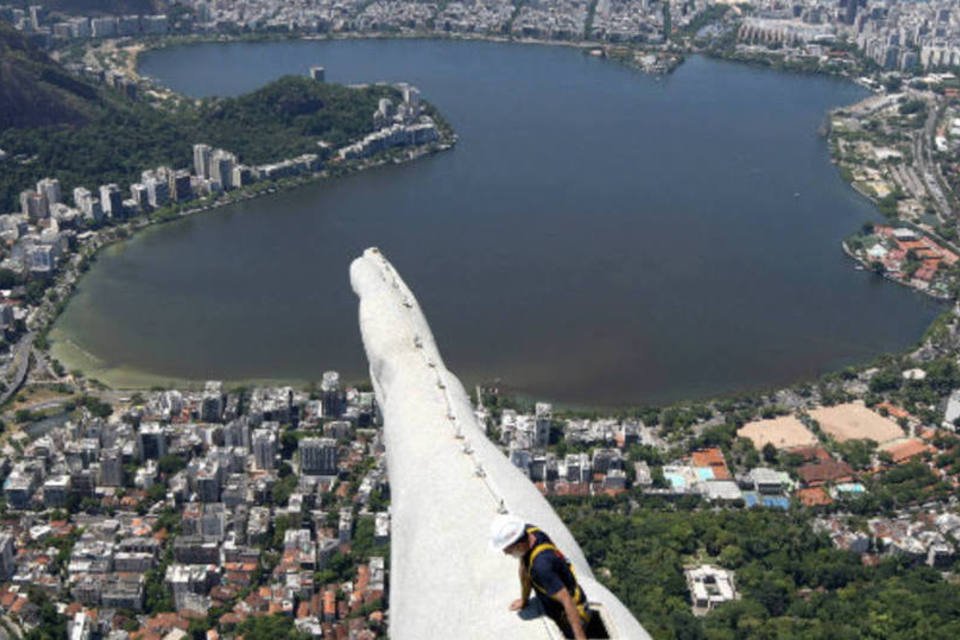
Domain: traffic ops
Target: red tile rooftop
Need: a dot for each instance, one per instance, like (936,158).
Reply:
(916,245)
(714,459)
(707,457)
(7,599)
(363,578)
(811,453)
(817,473)
(613,493)
(163,623)
(18,604)
(902,452)
(232,618)
(924,273)
(894,411)
(571,489)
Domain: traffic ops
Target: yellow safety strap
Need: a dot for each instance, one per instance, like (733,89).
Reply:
(578,599)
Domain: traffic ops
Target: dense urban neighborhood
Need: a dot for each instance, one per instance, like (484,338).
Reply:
(165,512)
(140,515)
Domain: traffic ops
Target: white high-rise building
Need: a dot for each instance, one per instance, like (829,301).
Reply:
(544,419)
(265,448)
(34,205)
(201,160)
(221,168)
(50,188)
(111,199)
(81,197)
(331,394)
(411,96)
(158,187)
(35,10)
(211,408)
(140,195)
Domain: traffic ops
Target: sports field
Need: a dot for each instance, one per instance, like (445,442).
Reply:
(854,421)
(784,432)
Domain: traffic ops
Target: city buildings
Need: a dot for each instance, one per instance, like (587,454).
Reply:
(318,456)
(265,448)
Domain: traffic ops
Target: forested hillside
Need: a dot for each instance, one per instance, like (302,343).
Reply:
(35,91)
(102,136)
(793,582)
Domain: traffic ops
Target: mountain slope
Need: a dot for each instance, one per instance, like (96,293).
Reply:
(35,91)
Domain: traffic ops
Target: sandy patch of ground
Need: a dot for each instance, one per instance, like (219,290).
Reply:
(854,421)
(784,432)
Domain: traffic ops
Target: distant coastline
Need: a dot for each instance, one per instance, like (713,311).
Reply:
(673,57)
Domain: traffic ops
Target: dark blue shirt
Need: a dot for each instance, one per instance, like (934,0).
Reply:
(550,573)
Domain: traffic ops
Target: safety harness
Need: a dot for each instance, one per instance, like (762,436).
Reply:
(578,599)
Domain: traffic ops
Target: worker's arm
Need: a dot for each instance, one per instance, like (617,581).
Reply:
(525,587)
(573,616)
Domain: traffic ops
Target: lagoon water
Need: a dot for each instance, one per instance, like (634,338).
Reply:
(598,236)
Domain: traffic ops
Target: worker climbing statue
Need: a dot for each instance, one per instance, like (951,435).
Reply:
(447,483)
(545,570)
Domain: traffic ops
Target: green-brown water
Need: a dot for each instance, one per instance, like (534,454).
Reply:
(598,236)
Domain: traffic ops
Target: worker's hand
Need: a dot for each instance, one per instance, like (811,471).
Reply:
(517,604)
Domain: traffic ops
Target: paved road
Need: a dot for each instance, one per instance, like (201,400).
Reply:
(923,156)
(21,358)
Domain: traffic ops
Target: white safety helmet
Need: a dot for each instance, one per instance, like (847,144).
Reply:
(505,530)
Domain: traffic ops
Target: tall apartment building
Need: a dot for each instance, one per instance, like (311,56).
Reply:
(318,456)
(50,188)
(111,467)
(221,168)
(265,448)
(111,199)
(34,205)
(152,441)
(201,160)
(332,397)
